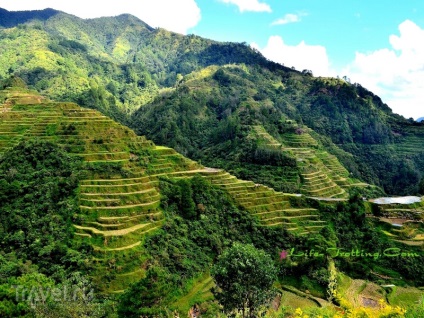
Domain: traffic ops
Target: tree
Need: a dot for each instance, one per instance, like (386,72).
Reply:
(421,186)
(187,205)
(144,297)
(307,72)
(244,276)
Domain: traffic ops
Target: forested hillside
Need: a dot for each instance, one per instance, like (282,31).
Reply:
(134,73)
(138,229)
(212,115)
(164,175)
(117,63)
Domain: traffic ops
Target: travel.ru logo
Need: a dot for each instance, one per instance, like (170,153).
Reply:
(39,294)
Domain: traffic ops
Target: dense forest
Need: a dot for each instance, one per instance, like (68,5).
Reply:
(272,219)
(36,244)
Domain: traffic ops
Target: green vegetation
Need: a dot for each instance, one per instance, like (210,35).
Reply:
(244,276)
(118,195)
(401,222)
(145,215)
(171,87)
(38,183)
(354,231)
(87,202)
(186,247)
(256,120)
(38,194)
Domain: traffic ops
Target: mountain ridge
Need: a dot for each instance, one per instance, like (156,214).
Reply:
(12,18)
(294,156)
(119,66)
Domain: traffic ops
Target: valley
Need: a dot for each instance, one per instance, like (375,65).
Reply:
(132,159)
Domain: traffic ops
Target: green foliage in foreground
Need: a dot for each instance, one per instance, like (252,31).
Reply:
(38,183)
(189,244)
(202,222)
(244,276)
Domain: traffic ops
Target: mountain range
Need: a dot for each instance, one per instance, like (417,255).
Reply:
(154,151)
(119,65)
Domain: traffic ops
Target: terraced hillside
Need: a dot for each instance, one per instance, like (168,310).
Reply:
(411,143)
(362,293)
(271,207)
(404,222)
(120,196)
(321,174)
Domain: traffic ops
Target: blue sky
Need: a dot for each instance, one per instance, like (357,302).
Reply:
(378,43)
(343,27)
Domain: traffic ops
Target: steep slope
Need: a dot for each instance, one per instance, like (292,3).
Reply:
(232,127)
(115,64)
(120,196)
(120,64)
(321,174)
(350,122)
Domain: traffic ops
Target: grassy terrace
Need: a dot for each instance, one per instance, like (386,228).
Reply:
(270,207)
(358,292)
(299,140)
(411,144)
(118,206)
(403,222)
(120,198)
(264,138)
(322,175)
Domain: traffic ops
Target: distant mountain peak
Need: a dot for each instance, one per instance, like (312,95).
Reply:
(10,19)
(129,18)
(421,119)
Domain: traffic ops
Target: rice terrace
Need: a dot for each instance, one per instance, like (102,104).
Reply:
(146,171)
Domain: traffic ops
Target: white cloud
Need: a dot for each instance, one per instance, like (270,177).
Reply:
(250,5)
(301,56)
(288,18)
(177,16)
(395,74)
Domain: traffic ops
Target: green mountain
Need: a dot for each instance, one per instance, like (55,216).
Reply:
(119,196)
(250,152)
(120,65)
(226,116)
(117,64)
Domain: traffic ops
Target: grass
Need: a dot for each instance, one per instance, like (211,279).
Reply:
(321,173)
(295,301)
(404,297)
(198,292)
(411,232)
(97,139)
(358,292)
